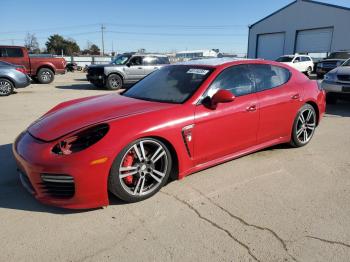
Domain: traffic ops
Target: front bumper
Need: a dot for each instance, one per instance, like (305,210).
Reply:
(336,87)
(34,158)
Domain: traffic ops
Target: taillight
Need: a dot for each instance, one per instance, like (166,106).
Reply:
(22,70)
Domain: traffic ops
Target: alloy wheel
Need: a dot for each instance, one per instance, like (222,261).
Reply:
(46,76)
(5,87)
(306,125)
(143,167)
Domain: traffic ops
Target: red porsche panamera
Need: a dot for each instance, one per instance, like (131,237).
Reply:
(176,121)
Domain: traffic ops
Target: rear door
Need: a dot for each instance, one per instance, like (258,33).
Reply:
(278,99)
(150,64)
(14,55)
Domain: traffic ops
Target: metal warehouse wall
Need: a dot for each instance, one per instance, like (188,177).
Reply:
(300,16)
(88,60)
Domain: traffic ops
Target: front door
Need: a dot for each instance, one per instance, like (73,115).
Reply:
(134,71)
(232,126)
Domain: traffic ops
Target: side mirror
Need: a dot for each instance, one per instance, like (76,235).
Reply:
(221,96)
(128,64)
(295,61)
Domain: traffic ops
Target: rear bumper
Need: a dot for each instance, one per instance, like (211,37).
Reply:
(23,82)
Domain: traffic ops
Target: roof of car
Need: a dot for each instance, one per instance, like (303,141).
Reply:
(212,61)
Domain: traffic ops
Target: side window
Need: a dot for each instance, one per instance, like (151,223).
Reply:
(237,79)
(297,59)
(14,52)
(149,60)
(136,60)
(268,76)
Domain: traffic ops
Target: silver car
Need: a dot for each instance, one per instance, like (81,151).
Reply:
(336,83)
(126,68)
(12,76)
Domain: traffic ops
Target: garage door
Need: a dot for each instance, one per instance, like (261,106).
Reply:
(270,46)
(314,41)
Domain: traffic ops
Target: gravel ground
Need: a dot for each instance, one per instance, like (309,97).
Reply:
(279,204)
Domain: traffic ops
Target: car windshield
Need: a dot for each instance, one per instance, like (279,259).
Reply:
(120,59)
(346,63)
(339,55)
(284,59)
(171,84)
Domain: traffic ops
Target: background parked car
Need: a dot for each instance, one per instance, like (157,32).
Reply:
(12,76)
(334,60)
(71,67)
(302,63)
(126,68)
(337,83)
(42,69)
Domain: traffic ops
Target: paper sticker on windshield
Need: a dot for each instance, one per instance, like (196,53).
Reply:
(197,71)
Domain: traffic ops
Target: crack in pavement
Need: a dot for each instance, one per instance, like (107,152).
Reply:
(213,224)
(279,239)
(329,241)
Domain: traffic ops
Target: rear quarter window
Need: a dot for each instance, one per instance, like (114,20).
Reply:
(269,76)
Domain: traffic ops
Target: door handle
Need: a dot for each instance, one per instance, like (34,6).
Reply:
(139,68)
(251,108)
(296,96)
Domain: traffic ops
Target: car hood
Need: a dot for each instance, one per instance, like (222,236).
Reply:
(287,63)
(333,60)
(341,70)
(71,116)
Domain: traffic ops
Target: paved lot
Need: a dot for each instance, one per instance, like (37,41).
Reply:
(280,204)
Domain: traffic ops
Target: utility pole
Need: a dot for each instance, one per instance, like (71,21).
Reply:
(103,41)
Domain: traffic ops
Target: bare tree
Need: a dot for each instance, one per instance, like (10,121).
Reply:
(31,43)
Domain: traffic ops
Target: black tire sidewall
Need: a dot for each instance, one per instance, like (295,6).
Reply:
(39,76)
(114,184)
(109,79)
(295,141)
(11,85)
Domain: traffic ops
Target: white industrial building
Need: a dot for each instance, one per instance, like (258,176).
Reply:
(303,26)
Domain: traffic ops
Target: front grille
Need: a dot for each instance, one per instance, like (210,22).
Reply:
(330,64)
(57,185)
(95,71)
(344,77)
(346,89)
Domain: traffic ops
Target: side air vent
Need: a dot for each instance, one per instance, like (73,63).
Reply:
(57,185)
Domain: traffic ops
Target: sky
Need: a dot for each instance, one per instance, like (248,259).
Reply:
(156,25)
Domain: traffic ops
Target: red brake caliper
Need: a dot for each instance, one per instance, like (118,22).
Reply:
(128,160)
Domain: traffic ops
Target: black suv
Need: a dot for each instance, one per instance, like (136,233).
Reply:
(334,60)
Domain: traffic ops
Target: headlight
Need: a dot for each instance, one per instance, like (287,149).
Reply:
(330,77)
(81,140)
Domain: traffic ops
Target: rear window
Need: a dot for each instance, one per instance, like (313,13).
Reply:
(305,59)
(284,59)
(11,52)
(269,76)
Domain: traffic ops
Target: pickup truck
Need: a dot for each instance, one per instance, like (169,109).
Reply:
(43,69)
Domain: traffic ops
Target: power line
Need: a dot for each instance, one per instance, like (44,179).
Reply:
(171,34)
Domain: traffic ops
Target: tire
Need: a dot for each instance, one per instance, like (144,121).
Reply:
(143,176)
(6,87)
(114,82)
(331,99)
(308,71)
(304,123)
(45,76)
